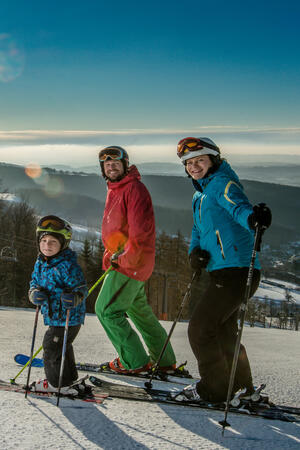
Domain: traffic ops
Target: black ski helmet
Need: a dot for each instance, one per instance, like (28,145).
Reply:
(56,227)
(113,152)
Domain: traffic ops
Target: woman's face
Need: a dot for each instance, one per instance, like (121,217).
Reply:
(197,167)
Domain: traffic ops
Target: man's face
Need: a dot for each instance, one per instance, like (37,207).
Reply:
(113,169)
(49,245)
(197,167)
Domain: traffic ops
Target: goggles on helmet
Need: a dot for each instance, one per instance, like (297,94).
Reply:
(191,144)
(54,224)
(115,153)
(51,222)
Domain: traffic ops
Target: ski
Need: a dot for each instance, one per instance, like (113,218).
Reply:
(93,397)
(169,396)
(179,376)
(175,376)
(104,369)
(23,359)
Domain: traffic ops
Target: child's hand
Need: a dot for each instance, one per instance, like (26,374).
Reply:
(37,297)
(71,299)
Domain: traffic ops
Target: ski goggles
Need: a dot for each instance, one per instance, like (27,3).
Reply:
(55,223)
(114,153)
(190,144)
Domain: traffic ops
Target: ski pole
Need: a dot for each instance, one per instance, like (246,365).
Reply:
(243,308)
(66,335)
(37,310)
(63,357)
(12,380)
(148,384)
(99,281)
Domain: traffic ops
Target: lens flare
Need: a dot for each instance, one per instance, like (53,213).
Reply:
(33,170)
(54,187)
(116,241)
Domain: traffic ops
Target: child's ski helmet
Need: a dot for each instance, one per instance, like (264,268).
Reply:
(55,226)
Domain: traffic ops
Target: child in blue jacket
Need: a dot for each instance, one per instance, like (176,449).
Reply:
(57,285)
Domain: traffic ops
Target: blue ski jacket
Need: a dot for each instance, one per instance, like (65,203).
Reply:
(220,212)
(54,276)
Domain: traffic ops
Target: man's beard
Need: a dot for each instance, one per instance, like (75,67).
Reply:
(115,180)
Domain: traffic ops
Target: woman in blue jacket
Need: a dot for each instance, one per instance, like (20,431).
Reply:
(57,285)
(222,242)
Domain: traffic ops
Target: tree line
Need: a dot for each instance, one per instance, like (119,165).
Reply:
(165,289)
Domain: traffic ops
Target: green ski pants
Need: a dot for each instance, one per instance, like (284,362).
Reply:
(119,295)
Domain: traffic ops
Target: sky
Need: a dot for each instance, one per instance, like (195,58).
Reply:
(77,76)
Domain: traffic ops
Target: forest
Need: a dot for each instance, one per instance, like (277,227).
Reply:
(165,288)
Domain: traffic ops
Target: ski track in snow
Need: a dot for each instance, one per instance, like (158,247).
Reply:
(37,423)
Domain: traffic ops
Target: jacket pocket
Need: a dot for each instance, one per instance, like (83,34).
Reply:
(219,242)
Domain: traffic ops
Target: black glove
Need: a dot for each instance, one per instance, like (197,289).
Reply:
(261,217)
(71,299)
(37,297)
(198,259)
(114,259)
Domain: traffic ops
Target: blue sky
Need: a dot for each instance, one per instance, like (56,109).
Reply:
(155,71)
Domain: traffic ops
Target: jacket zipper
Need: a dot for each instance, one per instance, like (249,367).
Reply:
(202,198)
(219,241)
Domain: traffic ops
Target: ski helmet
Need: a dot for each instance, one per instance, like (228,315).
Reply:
(190,147)
(115,153)
(56,227)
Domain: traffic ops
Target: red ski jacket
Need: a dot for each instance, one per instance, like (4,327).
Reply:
(128,223)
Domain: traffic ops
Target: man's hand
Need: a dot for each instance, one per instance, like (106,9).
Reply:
(114,259)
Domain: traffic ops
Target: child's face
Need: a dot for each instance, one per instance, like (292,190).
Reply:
(49,245)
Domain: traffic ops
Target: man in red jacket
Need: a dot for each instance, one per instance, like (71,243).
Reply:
(128,235)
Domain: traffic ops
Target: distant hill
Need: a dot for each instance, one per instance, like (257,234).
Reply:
(264,170)
(83,196)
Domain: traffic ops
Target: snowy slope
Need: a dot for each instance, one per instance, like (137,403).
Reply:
(121,424)
(278,290)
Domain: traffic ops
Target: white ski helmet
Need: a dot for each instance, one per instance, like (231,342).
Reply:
(190,147)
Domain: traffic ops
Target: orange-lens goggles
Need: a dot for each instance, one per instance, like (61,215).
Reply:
(188,145)
(51,223)
(113,153)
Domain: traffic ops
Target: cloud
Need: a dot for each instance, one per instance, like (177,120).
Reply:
(71,136)
(80,147)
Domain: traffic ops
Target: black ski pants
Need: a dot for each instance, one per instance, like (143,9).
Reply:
(213,330)
(52,345)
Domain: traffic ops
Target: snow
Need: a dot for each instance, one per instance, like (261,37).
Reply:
(7,197)
(278,290)
(37,423)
